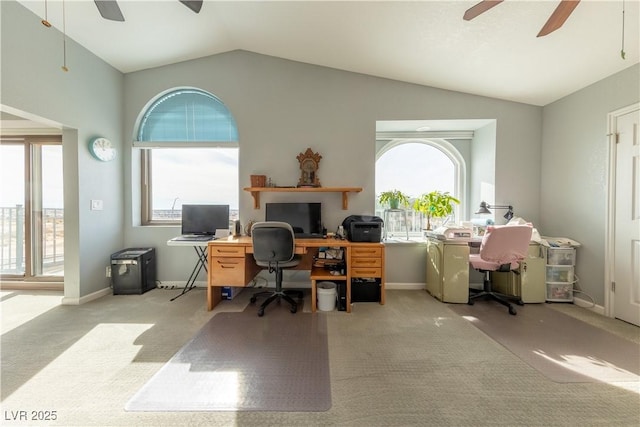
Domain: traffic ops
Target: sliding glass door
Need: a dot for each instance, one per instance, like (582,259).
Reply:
(31,208)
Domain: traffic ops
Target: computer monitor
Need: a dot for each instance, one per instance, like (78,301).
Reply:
(304,218)
(204,219)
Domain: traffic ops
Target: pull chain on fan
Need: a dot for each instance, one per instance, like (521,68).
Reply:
(622,53)
(64,40)
(45,21)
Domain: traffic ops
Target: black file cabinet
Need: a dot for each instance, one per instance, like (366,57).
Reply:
(133,271)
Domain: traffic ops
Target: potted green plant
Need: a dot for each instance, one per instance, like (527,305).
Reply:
(436,204)
(393,198)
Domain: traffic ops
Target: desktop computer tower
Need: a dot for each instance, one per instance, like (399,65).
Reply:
(133,271)
(341,288)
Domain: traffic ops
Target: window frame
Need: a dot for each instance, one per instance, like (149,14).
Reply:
(146,170)
(146,148)
(460,172)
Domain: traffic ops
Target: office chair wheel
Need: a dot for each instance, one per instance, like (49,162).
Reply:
(293,309)
(512,311)
(520,302)
(253,300)
(260,312)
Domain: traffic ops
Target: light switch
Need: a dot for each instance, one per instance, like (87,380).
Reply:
(96,205)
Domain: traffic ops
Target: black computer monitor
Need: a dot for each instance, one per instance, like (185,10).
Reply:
(304,218)
(204,219)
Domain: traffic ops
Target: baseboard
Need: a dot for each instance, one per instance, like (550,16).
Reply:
(86,298)
(589,305)
(404,286)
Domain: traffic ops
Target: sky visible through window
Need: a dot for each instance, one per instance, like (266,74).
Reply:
(12,176)
(195,176)
(415,168)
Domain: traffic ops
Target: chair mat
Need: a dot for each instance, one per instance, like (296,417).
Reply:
(242,362)
(561,347)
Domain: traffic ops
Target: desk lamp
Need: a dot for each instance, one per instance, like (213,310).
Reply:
(484,209)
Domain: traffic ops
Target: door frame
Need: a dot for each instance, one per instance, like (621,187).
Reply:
(612,121)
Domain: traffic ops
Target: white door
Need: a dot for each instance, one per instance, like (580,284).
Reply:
(626,259)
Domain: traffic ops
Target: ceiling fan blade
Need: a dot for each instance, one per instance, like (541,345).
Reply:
(479,8)
(110,10)
(194,5)
(558,16)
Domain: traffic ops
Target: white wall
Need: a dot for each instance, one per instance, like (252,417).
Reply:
(575,171)
(550,162)
(85,102)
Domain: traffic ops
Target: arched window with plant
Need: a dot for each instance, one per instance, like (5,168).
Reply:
(426,176)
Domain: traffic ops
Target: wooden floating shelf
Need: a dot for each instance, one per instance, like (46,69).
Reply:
(255,192)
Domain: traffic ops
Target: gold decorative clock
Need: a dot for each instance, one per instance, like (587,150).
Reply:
(309,162)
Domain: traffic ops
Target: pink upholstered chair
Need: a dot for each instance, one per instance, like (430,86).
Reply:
(502,249)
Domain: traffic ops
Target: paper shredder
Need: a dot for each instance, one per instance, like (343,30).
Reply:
(133,271)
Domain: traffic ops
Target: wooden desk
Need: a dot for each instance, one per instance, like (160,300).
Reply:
(231,263)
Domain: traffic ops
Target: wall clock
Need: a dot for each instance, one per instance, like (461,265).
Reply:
(102,149)
(309,162)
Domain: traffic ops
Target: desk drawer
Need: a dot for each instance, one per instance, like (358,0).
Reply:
(366,262)
(227,271)
(366,272)
(226,251)
(366,252)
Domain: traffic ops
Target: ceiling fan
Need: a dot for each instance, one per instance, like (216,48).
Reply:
(555,21)
(110,10)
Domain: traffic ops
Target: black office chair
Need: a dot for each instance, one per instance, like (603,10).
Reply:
(273,247)
(502,249)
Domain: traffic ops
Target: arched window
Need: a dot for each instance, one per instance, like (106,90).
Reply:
(416,167)
(187,115)
(189,143)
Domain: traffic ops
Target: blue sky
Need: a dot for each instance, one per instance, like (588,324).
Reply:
(415,169)
(12,173)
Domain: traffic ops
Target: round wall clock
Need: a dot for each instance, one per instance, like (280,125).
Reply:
(102,149)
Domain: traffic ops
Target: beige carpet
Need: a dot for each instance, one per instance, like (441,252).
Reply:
(242,362)
(561,347)
(410,362)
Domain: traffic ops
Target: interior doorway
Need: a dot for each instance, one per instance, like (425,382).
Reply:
(622,296)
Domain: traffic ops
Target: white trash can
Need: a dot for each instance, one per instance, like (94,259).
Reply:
(327,296)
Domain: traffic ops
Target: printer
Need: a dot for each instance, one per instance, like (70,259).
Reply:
(363,228)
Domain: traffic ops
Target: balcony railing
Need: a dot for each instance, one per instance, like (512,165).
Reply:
(12,242)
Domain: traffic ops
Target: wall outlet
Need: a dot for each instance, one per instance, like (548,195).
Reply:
(108,271)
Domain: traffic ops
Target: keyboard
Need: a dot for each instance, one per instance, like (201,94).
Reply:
(194,238)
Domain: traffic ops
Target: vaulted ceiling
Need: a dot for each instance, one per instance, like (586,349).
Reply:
(497,54)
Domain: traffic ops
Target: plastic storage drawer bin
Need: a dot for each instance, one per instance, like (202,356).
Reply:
(560,273)
(562,292)
(561,256)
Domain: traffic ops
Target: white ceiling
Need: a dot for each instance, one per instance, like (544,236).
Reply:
(424,42)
